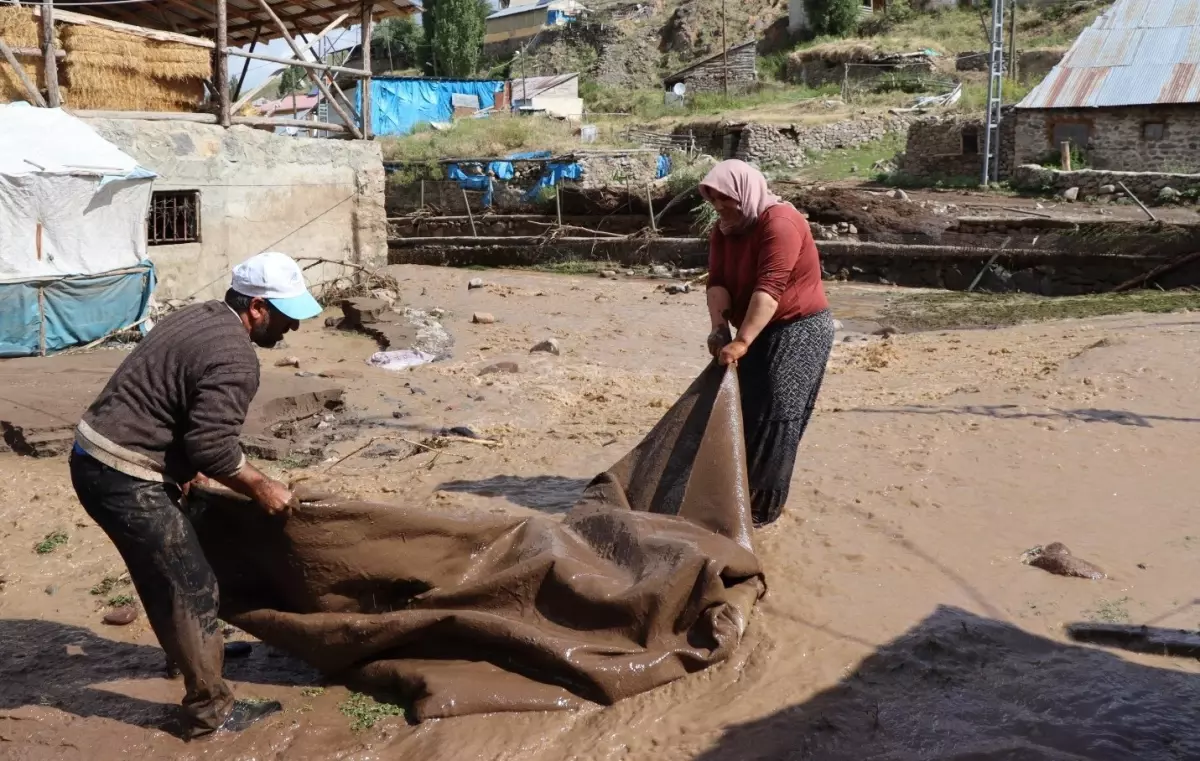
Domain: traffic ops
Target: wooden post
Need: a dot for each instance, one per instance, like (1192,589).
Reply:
(422,193)
(49,61)
(221,71)
(41,322)
(470,216)
(237,93)
(725,47)
(1065,148)
(1012,43)
(31,90)
(558,202)
(650,203)
(365,84)
(291,41)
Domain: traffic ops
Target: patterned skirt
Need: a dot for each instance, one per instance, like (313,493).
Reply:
(780,378)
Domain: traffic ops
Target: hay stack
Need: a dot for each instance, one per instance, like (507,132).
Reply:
(123,72)
(20,29)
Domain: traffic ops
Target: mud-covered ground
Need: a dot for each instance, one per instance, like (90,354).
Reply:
(900,622)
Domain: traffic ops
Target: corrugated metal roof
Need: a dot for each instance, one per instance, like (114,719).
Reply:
(1137,53)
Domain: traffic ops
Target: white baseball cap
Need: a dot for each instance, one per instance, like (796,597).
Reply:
(277,278)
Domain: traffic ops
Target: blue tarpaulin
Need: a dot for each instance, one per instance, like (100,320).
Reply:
(664,165)
(399,104)
(502,170)
(74,310)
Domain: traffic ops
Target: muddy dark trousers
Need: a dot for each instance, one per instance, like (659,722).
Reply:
(174,580)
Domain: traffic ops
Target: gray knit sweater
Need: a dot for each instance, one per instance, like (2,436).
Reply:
(176,405)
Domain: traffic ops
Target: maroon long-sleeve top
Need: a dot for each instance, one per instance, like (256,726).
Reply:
(778,257)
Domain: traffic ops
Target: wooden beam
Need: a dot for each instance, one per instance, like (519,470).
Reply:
(272,121)
(365,85)
(304,63)
(295,18)
(267,83)
(150,116)
(237,93)
(291,41)
(35,53)
(68,17)
(49,61)
(221,74)
(35,97)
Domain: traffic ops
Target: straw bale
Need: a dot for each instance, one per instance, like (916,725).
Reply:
(113,70)
(20,29)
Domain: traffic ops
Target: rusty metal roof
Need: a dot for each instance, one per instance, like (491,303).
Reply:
(1137,53)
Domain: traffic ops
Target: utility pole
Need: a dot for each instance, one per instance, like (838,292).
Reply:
(991,151)
(1012,42)
(725,48)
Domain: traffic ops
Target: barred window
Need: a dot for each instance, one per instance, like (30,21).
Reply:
(174,217)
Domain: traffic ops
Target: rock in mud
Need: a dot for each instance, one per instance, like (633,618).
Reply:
(362,311)
(238,649)
(288,362)
(482,318)
(886,332)
(123,616)
(549,346)
(474,283)
(675,289)
(608,274)
(333,322)
(1071,194)
(1057,559)
(501,367)
(1108,190)
(899,195)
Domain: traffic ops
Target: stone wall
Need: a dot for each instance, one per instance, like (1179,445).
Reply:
(608,54)
(1117,138)
(944,146)
(791,144)
(258,191)
(607,169)
(709,76)
(1032,65)
(1149,187)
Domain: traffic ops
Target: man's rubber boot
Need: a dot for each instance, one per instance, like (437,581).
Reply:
(245,714)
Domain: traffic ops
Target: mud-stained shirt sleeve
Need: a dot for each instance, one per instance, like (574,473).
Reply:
(220,401)
(780,247)
(716,260)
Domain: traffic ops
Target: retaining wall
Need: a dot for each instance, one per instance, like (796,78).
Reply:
(1147,186)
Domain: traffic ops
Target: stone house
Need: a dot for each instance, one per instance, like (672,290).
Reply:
(948,146)
(708,75)
(1126,96)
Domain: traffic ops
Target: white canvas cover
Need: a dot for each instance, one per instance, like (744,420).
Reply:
(71,203)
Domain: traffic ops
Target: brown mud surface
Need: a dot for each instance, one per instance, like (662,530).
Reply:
(899,623)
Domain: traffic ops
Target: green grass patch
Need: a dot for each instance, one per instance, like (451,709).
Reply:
(957,309)
(107,585)
(1111,611)
(312,692)
(651,104)
(852,162)
(120,601)
(365,712)
(495,136)
(51,542)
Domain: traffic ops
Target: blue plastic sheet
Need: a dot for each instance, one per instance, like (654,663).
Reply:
(502,170)
(399,105)
(75,310)
(554,173)
(664,165)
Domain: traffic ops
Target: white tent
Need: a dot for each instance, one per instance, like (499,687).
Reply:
(73,209)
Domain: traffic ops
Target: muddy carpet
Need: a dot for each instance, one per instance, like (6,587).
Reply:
(651,576)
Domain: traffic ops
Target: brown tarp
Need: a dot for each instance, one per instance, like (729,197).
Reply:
(651,576)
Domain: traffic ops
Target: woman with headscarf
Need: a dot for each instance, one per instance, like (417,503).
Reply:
(765,281)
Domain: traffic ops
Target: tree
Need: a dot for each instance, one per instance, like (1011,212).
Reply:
(837,18)
(398,43)
(292,80)
(454,30)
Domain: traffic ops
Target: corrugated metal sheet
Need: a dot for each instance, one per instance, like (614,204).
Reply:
(1138,52)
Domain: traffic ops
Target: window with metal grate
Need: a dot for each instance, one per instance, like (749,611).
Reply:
(174,217)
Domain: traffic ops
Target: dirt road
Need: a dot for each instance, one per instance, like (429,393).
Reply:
(900,622)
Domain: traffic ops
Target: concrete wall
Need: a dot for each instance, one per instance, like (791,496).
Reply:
(765,144)
(518,26)
(259,191)
(939,147)
(1116,137)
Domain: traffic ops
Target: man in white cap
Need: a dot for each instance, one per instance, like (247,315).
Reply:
(171,412)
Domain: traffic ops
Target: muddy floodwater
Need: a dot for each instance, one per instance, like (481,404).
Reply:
(900,622)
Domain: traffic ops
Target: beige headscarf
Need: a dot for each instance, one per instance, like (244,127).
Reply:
(746,185)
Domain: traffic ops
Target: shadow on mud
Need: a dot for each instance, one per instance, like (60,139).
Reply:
(66,667)
(960,687)
(548,494)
